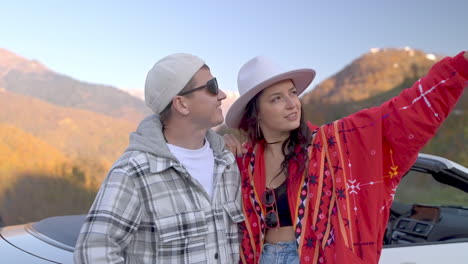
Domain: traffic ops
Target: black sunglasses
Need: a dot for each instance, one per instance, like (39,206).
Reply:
(269,200)
(211,86)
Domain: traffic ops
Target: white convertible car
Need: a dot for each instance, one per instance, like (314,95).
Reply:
(417,232)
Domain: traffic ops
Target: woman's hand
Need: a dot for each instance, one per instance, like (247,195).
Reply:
(233,144)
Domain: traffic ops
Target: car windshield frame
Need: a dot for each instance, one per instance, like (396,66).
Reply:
(60,231)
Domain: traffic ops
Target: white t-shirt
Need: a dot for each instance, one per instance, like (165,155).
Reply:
(199,163)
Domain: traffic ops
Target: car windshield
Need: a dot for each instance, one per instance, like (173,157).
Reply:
(63,229)
(421,188)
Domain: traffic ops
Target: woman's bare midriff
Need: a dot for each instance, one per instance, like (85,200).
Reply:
(282,234)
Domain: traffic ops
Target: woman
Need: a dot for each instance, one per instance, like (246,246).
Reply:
(322,194)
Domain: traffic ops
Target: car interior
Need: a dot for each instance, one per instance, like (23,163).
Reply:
(423,223)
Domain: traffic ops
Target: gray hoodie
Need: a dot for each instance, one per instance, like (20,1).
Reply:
(150,139)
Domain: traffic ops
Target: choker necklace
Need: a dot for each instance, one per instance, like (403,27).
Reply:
(275,142)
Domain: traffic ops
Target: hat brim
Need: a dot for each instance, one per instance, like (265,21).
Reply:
(301,78)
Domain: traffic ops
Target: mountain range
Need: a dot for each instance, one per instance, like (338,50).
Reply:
(375,72)
(31,78)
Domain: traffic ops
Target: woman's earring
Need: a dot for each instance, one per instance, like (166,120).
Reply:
(258,130)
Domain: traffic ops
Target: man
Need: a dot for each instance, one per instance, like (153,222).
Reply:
(174,195)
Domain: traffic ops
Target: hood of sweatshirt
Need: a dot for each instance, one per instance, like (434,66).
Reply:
(150,139)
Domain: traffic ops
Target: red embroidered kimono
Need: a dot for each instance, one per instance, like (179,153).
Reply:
(340,203)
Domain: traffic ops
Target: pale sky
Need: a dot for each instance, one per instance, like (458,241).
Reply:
(117,42)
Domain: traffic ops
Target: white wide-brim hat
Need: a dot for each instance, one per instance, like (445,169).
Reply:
(258,74)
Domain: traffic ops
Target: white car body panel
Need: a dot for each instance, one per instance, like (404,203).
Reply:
(38,251)
(450,253)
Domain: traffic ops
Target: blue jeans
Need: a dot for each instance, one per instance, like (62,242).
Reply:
(283,252)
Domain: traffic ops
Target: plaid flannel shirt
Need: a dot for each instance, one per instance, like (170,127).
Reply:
(150,210)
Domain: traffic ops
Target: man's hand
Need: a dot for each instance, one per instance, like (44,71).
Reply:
(234,145)
(466,55)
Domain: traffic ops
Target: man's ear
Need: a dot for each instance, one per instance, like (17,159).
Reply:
(180,105)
